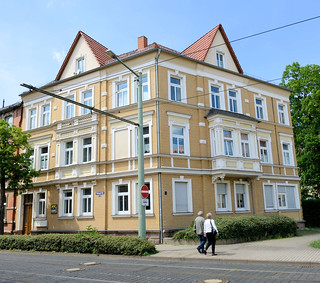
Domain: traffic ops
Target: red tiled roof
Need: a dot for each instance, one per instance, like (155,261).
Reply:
(137,51)
(97,49)
(199,49)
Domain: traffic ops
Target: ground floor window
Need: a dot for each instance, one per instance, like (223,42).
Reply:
(281,196)
(182,196)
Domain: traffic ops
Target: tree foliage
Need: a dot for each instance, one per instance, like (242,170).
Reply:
(305,111)
(15,165)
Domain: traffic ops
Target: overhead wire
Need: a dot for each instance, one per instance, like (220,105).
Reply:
(175,56)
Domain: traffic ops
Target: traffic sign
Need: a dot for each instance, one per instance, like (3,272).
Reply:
(144,191)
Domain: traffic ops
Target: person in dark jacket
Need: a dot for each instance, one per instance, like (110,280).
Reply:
(198,229)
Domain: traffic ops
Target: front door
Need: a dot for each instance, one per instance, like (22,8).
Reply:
(27,214)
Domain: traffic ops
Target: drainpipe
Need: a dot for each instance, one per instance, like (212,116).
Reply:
(158,149)
(252,192)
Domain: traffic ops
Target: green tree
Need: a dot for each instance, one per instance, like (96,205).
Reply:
(15,165)
(305,111)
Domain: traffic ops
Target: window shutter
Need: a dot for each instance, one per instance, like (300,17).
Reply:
(181,195)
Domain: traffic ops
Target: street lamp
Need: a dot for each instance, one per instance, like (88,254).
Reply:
(141,209)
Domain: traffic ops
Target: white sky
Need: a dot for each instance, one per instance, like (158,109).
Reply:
(35,35)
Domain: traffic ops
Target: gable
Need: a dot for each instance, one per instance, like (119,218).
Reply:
(81,50)
(206,48)
(219,45)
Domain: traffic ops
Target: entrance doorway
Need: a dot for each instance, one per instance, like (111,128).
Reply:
(27,214)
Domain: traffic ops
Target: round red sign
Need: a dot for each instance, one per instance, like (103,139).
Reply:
(144,191)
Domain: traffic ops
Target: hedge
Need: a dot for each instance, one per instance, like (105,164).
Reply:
(247,228)
(311,215)
(79,243)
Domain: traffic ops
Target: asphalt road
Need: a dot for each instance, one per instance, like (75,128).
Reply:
(57,267)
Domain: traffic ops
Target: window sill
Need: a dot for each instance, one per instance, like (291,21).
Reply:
(121,215)
(66,217)
(242,211)
(182,213)
(223,212)
(85,217)
(40,218)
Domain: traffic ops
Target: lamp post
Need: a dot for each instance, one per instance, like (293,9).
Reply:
(141,209)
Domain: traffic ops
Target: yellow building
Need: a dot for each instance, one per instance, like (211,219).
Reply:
(214,140)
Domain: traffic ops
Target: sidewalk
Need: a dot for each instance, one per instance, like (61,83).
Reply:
(291,250)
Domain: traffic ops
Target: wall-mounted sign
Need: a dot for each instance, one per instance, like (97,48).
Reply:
(54,208)
(99,194)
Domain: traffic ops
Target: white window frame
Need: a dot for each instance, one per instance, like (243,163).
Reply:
(220,94)
(287,153)
(268,148)
(115,84)
(228,141)
(88,148)
(45,155)
(85,101)
(246,197)
(263,107)
(220,59)
(9,119)
(32,158)
(273,197)
(77,69)
(294,190)
(189,195)
(43,203)
(228,207)
(82,197)
(283,117)
(72,107)
(32,119)
(45,115)
(136,193)
(135,139)
(115,195)
(134,98)
(185,127)
(182,79)
(70,201)
(237,99)
(69,158)
(245,151)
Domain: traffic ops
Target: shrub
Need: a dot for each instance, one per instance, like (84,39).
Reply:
(247,228)
(79,243)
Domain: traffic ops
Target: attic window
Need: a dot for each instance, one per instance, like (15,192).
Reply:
(220,59)
(79,66)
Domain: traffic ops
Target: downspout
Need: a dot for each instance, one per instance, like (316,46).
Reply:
(252,192)
(158,143)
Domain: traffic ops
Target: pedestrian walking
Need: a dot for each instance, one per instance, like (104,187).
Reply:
(198,228)
(210,231)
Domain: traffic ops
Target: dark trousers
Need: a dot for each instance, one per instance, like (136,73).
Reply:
(211,241)
(203,240)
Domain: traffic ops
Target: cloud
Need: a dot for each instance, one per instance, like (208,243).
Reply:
(59,56)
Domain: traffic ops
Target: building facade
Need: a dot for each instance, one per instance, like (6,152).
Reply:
(13,115)
(214,140)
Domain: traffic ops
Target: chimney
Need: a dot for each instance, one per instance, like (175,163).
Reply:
(142,42)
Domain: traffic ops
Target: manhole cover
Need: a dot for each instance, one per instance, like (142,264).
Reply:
(213,281)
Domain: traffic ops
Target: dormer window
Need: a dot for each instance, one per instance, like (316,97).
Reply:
(79,66)
(220,59)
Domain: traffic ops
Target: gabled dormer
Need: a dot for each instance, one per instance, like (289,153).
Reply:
(84,54)
(214,48)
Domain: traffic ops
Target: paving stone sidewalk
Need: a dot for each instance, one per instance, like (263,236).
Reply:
(290,250)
